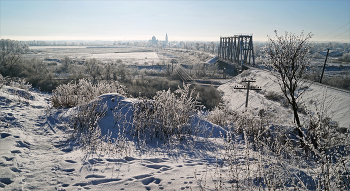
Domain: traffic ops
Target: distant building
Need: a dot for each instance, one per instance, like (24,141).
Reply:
(154,40)
(166,39)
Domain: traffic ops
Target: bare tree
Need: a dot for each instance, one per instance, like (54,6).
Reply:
(65,62)
(108,71)
(288,57)
(197,45)
(10,57)
(93,68)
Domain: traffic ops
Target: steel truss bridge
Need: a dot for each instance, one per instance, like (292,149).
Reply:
(237,48)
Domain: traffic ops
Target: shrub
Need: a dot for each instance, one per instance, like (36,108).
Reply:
(3,80)
(274,96)
(148,87)
(168,114)
(342,82)
(222,116)
(208,96)
(345,57)
(73,94)
(85,122)
(271,157)
(20,89)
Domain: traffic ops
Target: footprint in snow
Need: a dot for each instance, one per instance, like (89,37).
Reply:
(68,170)
(157,160)
(6,181)
(130,158)
(96,160)
(142,176)
(14,169)
(67,150)
(15,151)
(116,160)
(94,176)
(8,158)
(149,180)
(97,182)
(161,167)
(22,144)
(71,161)
(4,135)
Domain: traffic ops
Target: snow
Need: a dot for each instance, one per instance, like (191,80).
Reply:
(37,154)
(128,55)
(132,57)
(337,101)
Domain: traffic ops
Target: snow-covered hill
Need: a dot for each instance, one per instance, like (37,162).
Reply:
(36,152)
(336,102)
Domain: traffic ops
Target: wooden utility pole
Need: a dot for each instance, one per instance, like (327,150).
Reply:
(248,88)
(324,66)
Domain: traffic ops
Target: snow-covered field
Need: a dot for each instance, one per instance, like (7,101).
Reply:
(37,154)
(131,57)
(128,55)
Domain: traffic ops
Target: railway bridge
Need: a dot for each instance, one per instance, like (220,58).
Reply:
(237,48)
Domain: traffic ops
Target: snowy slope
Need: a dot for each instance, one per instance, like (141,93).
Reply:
(336,101)
(35,153)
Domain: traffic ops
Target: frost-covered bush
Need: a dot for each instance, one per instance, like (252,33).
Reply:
(222,116)
(273,159)
(345,57)
(168,114)
(73,94)
(21,89)
(208,96)
(21,84)
(3,80)
(274,96)
(85,122)
(148,87)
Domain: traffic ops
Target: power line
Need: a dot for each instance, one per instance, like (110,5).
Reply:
(338,35)
(347,37)
(333,31)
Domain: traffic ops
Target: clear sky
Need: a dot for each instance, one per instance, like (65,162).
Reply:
(181,20)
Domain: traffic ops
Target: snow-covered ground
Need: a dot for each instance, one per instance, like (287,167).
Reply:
(36,153)
(336,101)
(128,55)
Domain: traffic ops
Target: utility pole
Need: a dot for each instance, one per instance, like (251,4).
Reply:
(247,88)
(324,66)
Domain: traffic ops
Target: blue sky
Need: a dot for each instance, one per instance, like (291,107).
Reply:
(182,20)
